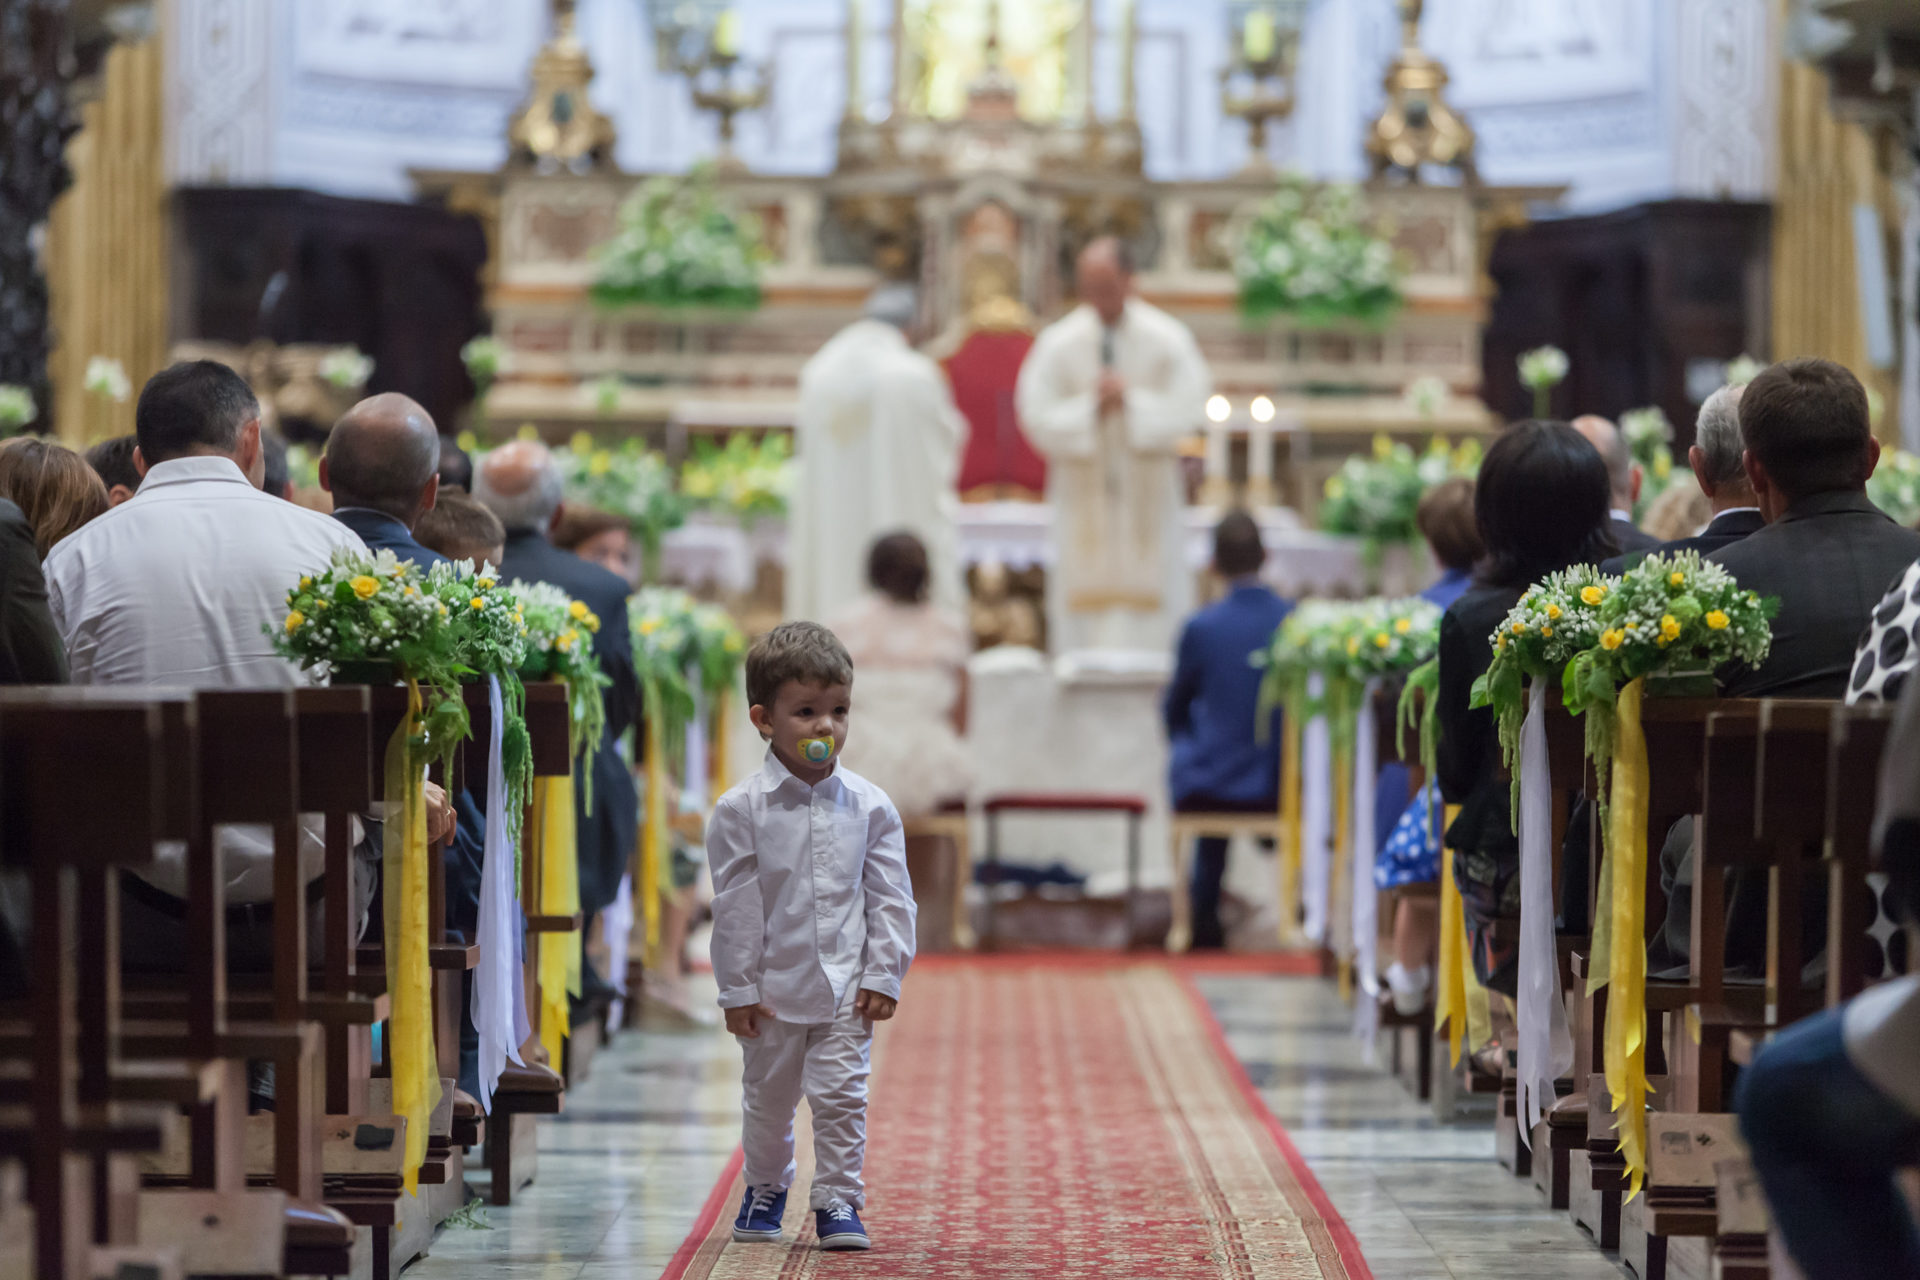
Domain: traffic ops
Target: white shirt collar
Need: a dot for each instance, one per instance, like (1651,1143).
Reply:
(778,775)
(193,468)
(1734,511)
(1618,514)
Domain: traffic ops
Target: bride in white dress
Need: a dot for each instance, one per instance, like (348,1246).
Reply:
(910,670)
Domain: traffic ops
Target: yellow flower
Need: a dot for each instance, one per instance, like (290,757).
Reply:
(592,622)
(485,584)
(366,586)
(1501,643)
(1403,626)
(1382,447)
(478,602)
(580,442)
(577,610)
(1519,628)
(1669,628)
(600,463)
(649,625)
(518,619)
(1676,579)
(1553,613)
(527,431)
(1592,595)
(1717,621)
(1546,631)
(1336,487)
(305,582)
(1662,466)
(1353,645)
(1382,640)
(294,620)
(564,641)
(733,644)
(1611,639)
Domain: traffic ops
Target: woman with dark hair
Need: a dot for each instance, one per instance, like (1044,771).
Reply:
(912,660)
(1542,503)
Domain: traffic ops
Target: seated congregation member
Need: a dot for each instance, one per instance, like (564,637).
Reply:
(52,485)
(520,484)
(600,537)
(1410,850)
(30,648)
(1542,504)
(1718,459)
(813,919)
(1222,759)
(112,461)
(1623,479)
(181,585)
(460,528)
(275,480)
(456,468)
(1830,1107)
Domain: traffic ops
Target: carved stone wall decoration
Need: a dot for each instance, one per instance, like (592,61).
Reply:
(35,70)
(220,56)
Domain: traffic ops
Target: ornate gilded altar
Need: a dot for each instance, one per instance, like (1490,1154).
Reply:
(979,185)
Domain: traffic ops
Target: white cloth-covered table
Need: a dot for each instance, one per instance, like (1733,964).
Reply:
(1300,562)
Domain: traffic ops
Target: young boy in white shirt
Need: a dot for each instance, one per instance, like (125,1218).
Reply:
(812,933)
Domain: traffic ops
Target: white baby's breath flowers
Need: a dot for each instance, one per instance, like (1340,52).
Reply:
(107,377)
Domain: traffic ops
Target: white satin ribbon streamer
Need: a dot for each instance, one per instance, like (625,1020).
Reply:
(1316,820)
(698,769)
(1366,922)
(616,928)
(499,1000)
(1545,1049)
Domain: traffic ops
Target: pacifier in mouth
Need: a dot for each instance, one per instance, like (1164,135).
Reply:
(816,750)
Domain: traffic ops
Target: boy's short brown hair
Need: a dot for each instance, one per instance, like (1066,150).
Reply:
(459,527)
(803,651)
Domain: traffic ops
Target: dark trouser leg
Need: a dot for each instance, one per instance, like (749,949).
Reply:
(1209,866)
(1826,1143)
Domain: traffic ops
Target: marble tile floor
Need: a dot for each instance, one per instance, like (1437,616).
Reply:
(625,1170)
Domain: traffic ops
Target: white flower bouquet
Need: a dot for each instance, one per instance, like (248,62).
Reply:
(1311,253)
(560,633)
(1541,370)
(107,378)
(16,407)
(346,368)
(680,245)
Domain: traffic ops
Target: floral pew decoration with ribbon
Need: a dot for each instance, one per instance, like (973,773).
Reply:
(560,633)
(373,618)
(1327,660)
(1672,617)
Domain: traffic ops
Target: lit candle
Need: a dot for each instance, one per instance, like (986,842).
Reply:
(1256,36)
(726,34)
(1128,37)
(855,33)
(1260,454)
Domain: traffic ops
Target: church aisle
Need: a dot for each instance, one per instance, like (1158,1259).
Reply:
(624,1174)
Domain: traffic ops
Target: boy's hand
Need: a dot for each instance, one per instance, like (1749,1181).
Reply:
(745,1020)
(873,1006)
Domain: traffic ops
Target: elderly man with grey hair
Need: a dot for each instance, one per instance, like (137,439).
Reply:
(520,483)
(1718,458)
(1623,476)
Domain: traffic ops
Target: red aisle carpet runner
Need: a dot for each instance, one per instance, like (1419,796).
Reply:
(1059,1118)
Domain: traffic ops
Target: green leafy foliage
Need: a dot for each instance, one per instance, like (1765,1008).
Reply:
(1311,253)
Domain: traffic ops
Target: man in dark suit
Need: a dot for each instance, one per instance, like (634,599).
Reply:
(519,483)
(1222,758)
(1828,555)
(1718,459)
(381,466)
(1623,475)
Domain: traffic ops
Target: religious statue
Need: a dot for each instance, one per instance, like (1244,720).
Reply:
(1108,393)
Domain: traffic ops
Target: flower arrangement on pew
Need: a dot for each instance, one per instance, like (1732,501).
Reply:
(1895,486)
(492,639)
(372,617)
(1671,616)
(627,480)
(560,633)
(1376,497)
(1649,437)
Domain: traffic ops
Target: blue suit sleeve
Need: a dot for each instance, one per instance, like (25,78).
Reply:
(1177,707)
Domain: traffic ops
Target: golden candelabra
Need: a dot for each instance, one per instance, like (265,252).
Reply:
(1257,85)
(1417,127)
(721,81)
(558,127)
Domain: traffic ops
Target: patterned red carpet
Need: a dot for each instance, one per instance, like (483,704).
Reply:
(1065,1118)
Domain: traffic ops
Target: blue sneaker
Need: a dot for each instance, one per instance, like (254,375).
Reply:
(838,1227)
(760,1212)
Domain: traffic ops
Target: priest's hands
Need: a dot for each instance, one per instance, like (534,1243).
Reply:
(745,1020)
(873,1006)
(440,815)
(1112,391)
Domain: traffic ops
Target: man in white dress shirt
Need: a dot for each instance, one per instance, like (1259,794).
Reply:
(1107,393)
(178,586)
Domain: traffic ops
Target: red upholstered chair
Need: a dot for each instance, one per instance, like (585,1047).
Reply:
(998,461)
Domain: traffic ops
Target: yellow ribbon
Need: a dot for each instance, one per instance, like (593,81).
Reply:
(409,1051)
(653,834)
(717,752)
(558,967)
(1450,989)
(1626,1048)
(1290,837)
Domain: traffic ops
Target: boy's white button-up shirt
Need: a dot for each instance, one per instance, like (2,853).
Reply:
(810,893)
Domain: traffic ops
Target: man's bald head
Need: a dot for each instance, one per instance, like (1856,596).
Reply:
(1622,476)
(384,455)
(1103,276)
(520,483)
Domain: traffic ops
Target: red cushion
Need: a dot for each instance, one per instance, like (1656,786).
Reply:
(1067,801)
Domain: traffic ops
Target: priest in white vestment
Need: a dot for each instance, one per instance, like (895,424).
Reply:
(1107,394)
(878,439)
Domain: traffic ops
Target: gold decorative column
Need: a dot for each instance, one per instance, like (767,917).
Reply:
(1827,167)
(107,245)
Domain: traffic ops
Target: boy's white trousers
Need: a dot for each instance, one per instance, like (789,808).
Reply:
(826,1062)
